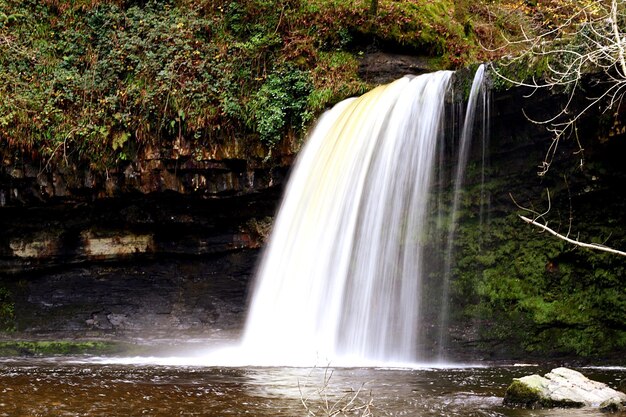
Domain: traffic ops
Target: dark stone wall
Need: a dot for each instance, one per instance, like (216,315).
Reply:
(166,246)
(571,293)
(162,245)
(59,234)
(166,298)
(135,266)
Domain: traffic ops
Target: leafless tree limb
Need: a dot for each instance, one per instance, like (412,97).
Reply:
(544,226)
(591,40)
(349,404)
(594,246)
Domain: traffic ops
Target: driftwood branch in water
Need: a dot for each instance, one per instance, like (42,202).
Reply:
(572,241)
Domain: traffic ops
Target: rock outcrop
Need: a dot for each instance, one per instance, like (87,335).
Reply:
(165,243)
(381,67)
(562,387)
(139,249)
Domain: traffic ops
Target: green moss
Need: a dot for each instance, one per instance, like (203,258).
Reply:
(534,292)
(527,69)
(521,394)
(335,77)
(46,348)
(131,74)
(7,310)
(462,83)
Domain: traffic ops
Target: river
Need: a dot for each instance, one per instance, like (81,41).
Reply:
(87,386)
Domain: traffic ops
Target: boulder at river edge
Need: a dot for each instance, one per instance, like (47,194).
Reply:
(563,387)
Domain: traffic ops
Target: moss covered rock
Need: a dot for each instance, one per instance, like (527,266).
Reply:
(562,387)
(57,347)
(525,391)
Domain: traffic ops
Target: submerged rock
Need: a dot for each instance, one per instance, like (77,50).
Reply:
(562,387)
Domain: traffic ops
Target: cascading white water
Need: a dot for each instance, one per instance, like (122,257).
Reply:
(477,91)
(341,278)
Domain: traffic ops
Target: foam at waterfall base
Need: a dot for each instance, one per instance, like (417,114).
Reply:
(344,280)
(237,356)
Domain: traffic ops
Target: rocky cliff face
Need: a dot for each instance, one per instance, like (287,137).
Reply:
(518,291)
(138,250)
(167,244)
(168,201)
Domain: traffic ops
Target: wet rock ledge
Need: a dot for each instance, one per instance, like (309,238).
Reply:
(60,234)
(161,245)
(179,201)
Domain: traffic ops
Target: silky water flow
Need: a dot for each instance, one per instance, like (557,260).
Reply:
(340,282)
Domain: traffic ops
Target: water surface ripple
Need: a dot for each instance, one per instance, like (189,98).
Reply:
(62,387)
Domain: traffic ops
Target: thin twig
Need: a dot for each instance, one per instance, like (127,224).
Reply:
(349,404)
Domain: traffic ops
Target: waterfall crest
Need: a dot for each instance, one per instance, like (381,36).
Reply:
(341,278)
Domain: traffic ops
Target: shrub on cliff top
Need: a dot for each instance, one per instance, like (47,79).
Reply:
(95,80)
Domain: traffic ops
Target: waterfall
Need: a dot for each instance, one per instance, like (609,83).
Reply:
(341,278)
(477,92)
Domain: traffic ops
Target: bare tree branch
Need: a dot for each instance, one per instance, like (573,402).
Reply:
(594,246)
(544,226)
(351,403)
(591,40)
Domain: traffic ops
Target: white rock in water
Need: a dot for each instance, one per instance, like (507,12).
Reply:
(561,387)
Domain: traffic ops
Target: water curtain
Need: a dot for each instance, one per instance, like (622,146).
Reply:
(341,279)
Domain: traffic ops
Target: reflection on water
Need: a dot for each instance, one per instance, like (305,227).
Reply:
(61,387)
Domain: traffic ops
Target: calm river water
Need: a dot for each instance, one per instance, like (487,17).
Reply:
(85,387)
